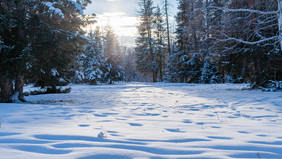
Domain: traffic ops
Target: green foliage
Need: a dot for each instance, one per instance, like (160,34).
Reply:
(150,47)
(40,40)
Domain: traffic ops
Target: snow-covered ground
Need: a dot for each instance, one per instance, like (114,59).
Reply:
(144,120)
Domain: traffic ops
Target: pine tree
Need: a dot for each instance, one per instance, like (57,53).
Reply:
(13,36)
(94,60)
(62,28)
(44,37)
(166,10)
(112,66)
(160,49)
(185,63)
(146,59)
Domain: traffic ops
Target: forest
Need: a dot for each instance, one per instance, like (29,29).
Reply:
(45,43)
(174,79)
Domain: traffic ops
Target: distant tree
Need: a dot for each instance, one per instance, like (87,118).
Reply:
(128,61)
(145,43)
(93,59)
(186,61)
(166,10)
(112,68)
(160,48)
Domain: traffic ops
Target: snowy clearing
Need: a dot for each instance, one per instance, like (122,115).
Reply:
(144,120)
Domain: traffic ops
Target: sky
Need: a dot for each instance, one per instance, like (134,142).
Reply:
(122,16)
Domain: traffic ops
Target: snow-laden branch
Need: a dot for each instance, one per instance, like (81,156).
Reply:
(78,7)
(228,38)
(73,35)
(53,9)
(280,22)
(245,10)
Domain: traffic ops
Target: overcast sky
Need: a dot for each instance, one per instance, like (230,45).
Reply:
(121,14)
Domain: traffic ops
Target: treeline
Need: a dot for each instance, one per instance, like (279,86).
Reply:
(216,41)
(101,61)
(44,43)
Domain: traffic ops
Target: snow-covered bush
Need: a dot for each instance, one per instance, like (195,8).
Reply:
(272,86)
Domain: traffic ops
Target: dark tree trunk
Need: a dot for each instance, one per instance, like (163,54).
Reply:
(19,84)
(6,91)
(154,77)
(161,69)
(54,88)
(167,28)
(93,82)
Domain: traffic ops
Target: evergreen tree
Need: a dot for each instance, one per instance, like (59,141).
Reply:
(94,60)
(160,49)
(65,38)
(113,70)
(185,63)
(44,37)
(14,36)
(146,59)
(166,10)
(249,40)
(209,73)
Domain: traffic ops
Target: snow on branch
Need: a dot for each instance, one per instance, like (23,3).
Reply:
(78,7)
(246,10)
(228,38)
(73,35)
(53,9)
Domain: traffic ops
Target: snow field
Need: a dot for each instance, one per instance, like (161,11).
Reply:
(144,120)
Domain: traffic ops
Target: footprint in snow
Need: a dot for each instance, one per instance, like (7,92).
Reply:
(215,127)
(187,121)
(219,137)
(243,132)
(83,125)
(175,130)
(135,124)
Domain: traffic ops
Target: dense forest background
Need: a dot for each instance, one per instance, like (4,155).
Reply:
(216,41)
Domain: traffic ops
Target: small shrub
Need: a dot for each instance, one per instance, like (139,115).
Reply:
(50,91)
(272,86)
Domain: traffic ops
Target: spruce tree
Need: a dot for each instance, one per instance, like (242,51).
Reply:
(146,59)
(43,37)
(93,60)
(160,49)
(62,27)
(14,36)
(112,68)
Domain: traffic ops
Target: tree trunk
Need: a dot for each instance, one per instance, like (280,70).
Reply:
(19,83)
(167,28)
(280,21)
(6,91)
(154,77)
(208,24)
(54,88)
(252,16)
(161,69)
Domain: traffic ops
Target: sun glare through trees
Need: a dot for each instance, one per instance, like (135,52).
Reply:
(132,79)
